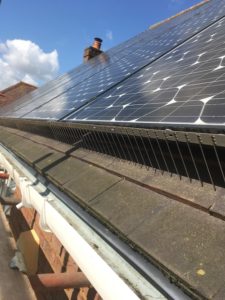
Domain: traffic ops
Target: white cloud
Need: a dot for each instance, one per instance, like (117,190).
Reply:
(109,35)
(23,60)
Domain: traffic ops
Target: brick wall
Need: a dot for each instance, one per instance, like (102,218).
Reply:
(52,256)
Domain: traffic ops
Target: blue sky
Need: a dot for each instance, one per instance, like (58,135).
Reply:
(69,26)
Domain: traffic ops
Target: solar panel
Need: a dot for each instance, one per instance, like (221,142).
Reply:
(63,83)
(186,86)
(52,88)
(120,64)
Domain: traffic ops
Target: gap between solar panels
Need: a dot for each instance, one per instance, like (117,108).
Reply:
(193,155)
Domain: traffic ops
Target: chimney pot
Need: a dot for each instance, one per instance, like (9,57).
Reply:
(97,43)
(98,39)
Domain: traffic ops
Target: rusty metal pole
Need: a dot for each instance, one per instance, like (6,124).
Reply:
(4,176)
(58,281)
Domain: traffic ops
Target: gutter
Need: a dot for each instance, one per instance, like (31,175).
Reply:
(60,220)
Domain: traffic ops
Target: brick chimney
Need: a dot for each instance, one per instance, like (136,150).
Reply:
(93,50)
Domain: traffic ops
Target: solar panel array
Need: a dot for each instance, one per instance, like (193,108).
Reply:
(170,75)
(186,86)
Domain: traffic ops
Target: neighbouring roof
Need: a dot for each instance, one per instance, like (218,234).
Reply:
(18,85)
(15,91)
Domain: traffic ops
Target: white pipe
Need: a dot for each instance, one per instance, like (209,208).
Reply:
(104,279)
(108,284)
(19,205)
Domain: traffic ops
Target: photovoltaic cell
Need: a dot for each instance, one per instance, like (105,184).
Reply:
(73,90)
(65,82)
(53,88)
(186,86)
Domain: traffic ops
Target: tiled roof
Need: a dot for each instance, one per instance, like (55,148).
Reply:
(14,92)
(17,85)
(177,229)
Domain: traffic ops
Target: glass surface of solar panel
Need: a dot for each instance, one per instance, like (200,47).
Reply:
(132,56)
(141,53)
(52,89)
(186,86)
(63,83)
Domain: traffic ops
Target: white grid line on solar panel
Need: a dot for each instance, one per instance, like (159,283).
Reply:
(189,29)
(220,87)
(81,93)
(65,80)
(193,72)
(204,101)
(66,83)
(174,22)
(72,103)
(44,100)
(165,26)
(195,62)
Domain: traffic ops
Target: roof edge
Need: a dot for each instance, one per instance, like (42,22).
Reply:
(156,25)
(15,85)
